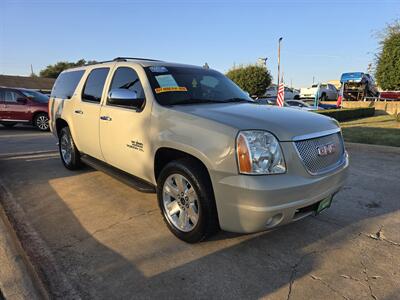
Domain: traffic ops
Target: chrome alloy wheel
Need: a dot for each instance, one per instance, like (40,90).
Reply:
(66,148)
(42,122)
(181,204)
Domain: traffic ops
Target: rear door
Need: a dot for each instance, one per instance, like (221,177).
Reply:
(124,130)
(86,114)
(16,106)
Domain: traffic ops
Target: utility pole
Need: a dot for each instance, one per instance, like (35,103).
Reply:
(32,70)
(279,59)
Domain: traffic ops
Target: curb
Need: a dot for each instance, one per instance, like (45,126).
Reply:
(25,282)
(51,282)
(374,147)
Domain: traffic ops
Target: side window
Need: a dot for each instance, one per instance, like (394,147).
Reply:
(66,84)
(127,78)
(94,85)
(11,96)
(1,95)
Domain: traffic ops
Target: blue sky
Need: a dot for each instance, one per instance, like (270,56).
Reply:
(320,38)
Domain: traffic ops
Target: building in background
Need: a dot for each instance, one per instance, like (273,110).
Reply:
(35,83)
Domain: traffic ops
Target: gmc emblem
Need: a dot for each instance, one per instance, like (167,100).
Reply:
(326,149)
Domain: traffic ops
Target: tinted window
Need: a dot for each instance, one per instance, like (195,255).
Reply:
(127,78)
(35,96)
(94,85)
(66,84)
(187,85)
(11,96)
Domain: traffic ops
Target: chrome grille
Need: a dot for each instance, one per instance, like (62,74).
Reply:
(315,163)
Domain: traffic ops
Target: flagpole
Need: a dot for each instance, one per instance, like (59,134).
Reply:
(279,59)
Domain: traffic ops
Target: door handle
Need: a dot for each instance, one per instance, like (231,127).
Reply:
(79,112)
(105,118)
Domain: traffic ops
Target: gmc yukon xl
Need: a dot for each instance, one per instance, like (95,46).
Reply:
(216,159)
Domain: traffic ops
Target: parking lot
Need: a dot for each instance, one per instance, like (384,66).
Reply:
(110,240)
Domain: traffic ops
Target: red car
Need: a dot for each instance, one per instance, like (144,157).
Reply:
(23,106)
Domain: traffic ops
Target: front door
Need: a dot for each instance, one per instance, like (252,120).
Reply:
(86,113)
(15,106)
(124,130)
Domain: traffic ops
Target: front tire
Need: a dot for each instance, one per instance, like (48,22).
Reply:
(186,200)
(69,154)
(41,122)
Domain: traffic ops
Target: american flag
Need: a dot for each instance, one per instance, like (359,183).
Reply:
(281,94)
(340,97)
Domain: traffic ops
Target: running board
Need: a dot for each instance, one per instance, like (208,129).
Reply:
(128,179)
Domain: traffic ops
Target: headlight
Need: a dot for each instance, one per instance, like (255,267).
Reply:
(259,152)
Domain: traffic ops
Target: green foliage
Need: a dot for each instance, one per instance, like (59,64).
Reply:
(52,71)
(252,78)
(388,60)
(345,114)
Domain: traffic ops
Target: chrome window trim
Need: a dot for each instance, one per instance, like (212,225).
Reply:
(315,135)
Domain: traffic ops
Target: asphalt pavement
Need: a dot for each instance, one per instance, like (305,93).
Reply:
(108,241)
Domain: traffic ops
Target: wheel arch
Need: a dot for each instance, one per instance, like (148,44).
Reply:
(60,124)
(164,155)
(36,113)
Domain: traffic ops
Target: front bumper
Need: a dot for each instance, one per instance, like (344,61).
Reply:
(248,204)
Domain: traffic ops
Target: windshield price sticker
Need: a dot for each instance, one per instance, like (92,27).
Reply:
(166,81)
(171,89)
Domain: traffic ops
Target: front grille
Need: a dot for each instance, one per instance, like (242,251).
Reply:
(313,161)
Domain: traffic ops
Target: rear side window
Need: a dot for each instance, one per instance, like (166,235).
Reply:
(66,84)
(94,85)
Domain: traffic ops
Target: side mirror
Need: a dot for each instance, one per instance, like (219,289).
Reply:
(124,97)
(22,100)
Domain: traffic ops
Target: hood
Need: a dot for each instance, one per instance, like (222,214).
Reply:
(284,123)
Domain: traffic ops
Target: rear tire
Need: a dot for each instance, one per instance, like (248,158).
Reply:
(69,154)
(8,124)
(41,122)
(186,200)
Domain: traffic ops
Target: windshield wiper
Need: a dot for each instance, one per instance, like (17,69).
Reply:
(194,101)
(237,99)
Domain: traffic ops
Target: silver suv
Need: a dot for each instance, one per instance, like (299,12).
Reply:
(215,158)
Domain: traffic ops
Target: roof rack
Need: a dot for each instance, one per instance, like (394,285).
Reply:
(133,58)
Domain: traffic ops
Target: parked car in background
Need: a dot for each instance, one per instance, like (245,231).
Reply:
(390,95)
(298,104)
(326,92)
(23,106)
(301,104)
(290,93)
(358,85)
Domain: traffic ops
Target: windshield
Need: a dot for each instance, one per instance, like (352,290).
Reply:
(36,96)
(189,85)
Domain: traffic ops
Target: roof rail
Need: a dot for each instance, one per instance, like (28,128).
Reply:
(133,58)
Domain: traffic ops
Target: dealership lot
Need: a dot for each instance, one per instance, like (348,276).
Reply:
(110,241)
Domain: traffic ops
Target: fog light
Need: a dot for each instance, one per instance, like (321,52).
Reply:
(275,220)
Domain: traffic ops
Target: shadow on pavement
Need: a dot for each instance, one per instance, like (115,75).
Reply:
(111,243)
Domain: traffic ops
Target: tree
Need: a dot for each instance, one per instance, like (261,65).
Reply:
(388,59)
(253,79)
(52,71)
